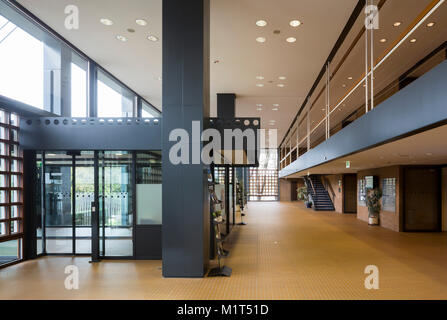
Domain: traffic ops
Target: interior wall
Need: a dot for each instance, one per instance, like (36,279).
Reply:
(388,220)
(337,197)
(444,199)
(285,190)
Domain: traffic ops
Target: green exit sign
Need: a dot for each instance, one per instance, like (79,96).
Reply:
(348,164)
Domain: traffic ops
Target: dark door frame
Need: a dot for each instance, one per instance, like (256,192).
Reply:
(344,193)
(438,168)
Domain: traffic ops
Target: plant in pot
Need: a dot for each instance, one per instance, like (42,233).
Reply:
(303,195)
(373,203)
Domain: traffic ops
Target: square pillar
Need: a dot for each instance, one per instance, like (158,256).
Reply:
(186,208)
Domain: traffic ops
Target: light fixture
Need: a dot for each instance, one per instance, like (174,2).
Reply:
(260,78)
(431,24)
(282,78)
(383,40)
(261,39)
(152,38)
(429,154)
(106,22)
(141,22)
(261,23)
(413,40)
(259,109)
(275,109)
(349,78)
(259,85)
(281,85)
(291,40)
(121,38)
(295,23)
(259,105)
(397,23)
(276,105)
(343,85)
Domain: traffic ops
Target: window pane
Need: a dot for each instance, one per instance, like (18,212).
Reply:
(10,251)
(113,99)
(3,149)
(15,212)
(2,213)
(148,112)
(78,87)
(21,54)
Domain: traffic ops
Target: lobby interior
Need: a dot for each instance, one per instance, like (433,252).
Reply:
(348,98)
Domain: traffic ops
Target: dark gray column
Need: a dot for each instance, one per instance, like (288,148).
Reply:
(185,99)
(226,105)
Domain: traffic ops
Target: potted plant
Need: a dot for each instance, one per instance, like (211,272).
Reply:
(303,195)
(373,203)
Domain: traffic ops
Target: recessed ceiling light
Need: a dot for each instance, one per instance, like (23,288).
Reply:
(261,39)
(343,85)
(295,23)
(383,40)
(260,85)
(260,77)
(349,78)
(259,105)
(141,22)
(152,38)
(413,40)
(280,85)
(291,40)
(261,23)
(276,105)
(431,24)
(429,154)
(275,109)
(259,109)
(282,78)
(397,23)
(106,22)
(121,38)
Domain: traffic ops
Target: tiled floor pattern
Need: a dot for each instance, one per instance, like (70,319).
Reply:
(285,252)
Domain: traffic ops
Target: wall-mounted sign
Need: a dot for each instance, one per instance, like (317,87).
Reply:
(389,194)
(348,164)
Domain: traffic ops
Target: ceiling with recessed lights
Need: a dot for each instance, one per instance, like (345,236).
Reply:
(283,43)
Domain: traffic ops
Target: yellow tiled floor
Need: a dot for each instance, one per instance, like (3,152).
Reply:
(285,252)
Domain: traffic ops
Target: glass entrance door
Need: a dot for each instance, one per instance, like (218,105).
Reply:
(70,191)
(115,203)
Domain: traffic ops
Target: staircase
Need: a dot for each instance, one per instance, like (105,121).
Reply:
(320,196)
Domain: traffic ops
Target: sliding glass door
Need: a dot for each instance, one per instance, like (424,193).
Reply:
(68,184)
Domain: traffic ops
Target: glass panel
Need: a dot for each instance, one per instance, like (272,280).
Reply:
(3,149)
(10,251)
(15,181)
(84,195)
(148,112)
(2,180)
(15,213)
(15,166)
(2,228)
(79,68)
(149,189)
(58,194)
(113,99)
(2,196)
(39,202)
(3,133)
(2,213)
(116,196)
(14,227)
(20,54)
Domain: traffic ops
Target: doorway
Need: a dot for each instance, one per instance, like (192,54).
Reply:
(72,183)
(422,199)
(350,193)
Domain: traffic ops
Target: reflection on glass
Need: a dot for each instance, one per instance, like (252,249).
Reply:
(58,196)
(149,188)
(116,203)
(84,196)
(9,250)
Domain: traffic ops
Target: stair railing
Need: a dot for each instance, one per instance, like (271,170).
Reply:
(329,188)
